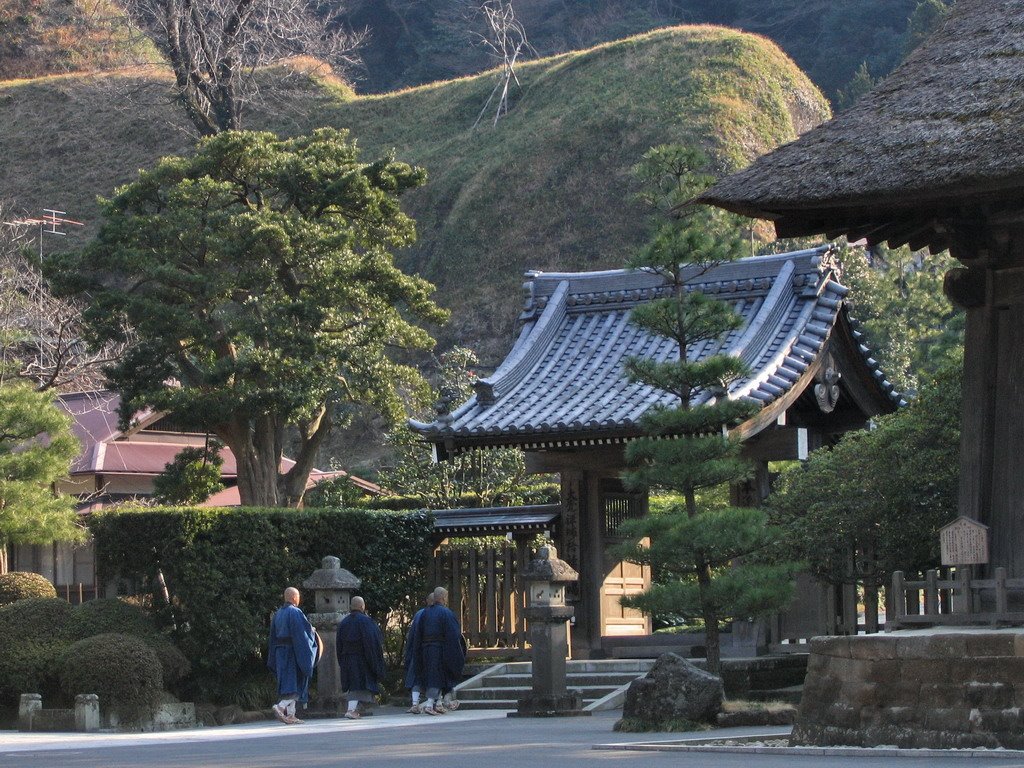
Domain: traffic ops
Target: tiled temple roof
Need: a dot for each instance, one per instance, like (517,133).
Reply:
(564,377)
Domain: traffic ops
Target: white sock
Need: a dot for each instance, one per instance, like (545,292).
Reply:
(352,705)
(290,709)
(415,698)
(429,704)
(447,699)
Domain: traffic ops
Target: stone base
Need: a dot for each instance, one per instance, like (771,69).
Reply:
(568,704)
(944,688)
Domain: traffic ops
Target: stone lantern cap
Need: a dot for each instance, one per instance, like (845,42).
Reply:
(547,566)
(330,575)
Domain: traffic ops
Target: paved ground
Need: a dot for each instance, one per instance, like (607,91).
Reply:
(457,740)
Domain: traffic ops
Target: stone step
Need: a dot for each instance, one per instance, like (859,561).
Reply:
(639,666)
(514,692)
(466,703)
(574,680)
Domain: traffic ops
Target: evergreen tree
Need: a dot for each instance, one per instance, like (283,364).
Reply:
(191,477)
(874,502)
(911,326)
(258,283)
(490,475)
(36,449)
(694,550)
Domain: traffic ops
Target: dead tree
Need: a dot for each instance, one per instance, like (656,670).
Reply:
(505,40)
(216,49)
(41,337)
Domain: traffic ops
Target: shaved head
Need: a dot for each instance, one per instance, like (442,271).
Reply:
(291,595)
(358,604)
(430,599)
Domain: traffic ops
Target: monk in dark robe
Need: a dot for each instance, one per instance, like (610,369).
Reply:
(413,671)
(291,656)
(360,646)
(439,651)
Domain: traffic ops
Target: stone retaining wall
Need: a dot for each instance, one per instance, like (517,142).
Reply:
(921,688)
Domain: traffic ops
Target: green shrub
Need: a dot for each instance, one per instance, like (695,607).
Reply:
(38,619)
(106,615)
(174,666)
(33,636)
(122,670)
(225,570)
(29,666)
(19,585)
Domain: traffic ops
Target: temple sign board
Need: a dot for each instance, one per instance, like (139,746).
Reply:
(964,542)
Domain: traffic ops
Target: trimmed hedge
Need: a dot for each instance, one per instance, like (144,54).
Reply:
(20,585)
(32,641)
(38,619)
(122,670)
(226,568)
(108,614)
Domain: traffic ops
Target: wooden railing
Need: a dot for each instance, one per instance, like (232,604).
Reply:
(957,600)
(76,594)
(485,594)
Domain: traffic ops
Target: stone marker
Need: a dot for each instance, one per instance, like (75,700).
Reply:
(674,689)
(87,712)
(29,706)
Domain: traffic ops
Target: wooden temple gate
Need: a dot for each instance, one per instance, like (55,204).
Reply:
(478,555)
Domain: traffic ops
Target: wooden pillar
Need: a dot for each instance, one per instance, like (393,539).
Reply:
(580,546)
(991,290)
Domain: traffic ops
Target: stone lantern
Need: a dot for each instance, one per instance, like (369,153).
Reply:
(546,577)
(332,587)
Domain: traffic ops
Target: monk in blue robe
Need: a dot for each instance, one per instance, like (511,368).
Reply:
(413,670)
(291,655)
(439,651)
(360,647)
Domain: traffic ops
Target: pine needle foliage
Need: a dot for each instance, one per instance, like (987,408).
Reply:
(36,450)
(693,548)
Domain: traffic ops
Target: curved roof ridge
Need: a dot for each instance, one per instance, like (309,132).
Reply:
(745,347)
(524,354)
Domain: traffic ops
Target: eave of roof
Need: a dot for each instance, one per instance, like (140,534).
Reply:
(487,520)
(937,140)
(563,383)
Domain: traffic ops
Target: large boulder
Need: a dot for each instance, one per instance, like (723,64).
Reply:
(674,689)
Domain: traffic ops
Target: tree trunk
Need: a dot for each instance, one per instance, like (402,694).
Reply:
(712,641)
(256,459)
(3,559)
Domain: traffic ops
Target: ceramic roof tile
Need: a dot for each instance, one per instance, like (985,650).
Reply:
(565,374)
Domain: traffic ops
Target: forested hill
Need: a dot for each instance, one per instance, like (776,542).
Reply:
(413,41)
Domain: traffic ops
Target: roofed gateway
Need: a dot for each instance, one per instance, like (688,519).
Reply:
(563,396)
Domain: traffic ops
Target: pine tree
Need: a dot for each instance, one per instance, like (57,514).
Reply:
(36,449)
(694,549)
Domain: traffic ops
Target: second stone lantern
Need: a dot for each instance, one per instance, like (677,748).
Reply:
(333,587)
(546,577)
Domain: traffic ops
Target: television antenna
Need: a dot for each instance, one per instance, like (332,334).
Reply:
(52,222)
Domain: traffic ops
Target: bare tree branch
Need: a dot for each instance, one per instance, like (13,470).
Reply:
(41,337)
(505,40)
(216,49)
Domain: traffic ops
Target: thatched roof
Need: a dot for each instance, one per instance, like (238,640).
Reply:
(941,138)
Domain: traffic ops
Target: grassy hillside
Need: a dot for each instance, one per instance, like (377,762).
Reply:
(548,188)
(42,37)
